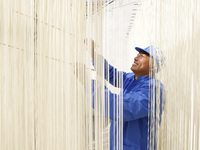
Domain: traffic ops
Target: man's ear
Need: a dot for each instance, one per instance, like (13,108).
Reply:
(151,63)
(152,67)
(155,68)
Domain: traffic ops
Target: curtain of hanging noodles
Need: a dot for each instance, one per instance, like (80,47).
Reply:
(46,92)
(174,27)
(178,34)
(96,24)
(42,102)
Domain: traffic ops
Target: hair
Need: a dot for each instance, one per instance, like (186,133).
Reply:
(143,52)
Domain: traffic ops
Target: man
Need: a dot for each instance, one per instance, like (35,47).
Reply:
(137,99)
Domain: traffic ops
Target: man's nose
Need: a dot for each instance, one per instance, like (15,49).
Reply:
(136,58)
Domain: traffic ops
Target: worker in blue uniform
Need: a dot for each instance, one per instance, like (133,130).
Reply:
(137,91)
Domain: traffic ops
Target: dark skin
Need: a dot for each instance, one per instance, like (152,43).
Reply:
(140,66)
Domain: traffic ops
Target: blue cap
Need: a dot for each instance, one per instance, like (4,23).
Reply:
(153,51)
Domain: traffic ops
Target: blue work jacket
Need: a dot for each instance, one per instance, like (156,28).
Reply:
(136,101)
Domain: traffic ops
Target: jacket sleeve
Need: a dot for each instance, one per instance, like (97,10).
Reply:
(135,105)
(111,74)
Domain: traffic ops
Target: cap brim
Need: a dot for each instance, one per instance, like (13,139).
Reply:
(139,49)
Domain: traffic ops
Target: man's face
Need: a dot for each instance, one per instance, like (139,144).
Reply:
(141,64)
